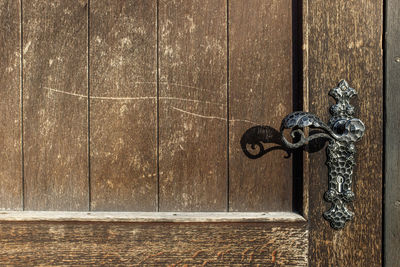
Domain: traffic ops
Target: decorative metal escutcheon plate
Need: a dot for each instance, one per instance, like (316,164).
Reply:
(342,131)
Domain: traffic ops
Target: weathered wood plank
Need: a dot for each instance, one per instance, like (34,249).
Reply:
(99,216)
(344,41)
(392,140)
(193,115)
(260,93)
(221,244)
(55,105)
(123,110)
(10,106)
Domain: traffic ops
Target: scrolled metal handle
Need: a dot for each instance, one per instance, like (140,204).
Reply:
(341,131)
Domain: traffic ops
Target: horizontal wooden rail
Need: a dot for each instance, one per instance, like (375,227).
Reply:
(151,216)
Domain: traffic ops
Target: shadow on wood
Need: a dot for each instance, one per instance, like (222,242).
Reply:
(254,142)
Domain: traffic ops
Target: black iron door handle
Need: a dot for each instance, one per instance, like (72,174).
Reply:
(341,131)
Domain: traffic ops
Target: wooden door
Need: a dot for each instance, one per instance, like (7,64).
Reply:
(121,127)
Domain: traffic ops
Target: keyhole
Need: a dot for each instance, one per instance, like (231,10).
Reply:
(339,181)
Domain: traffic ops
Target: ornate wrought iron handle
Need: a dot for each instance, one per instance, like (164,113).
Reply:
(341,131)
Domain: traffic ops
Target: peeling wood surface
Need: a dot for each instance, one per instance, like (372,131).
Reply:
(392,140)
(260,91)
(165,244)
(55,123)
(123,108)
(345,42)
(193,127)
(10,106)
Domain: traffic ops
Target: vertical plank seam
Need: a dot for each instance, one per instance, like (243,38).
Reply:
(227,106)
(157,109)
(297,103)
(306,107)
(88,109)
(305,99)
(22,107)
(384,44)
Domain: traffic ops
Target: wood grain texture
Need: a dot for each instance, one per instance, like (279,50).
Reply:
(392,140)
(193,114)
(344,42)
(10,106)
(260,93)
(98,216)
(199,244)
(123,110)
(55,105)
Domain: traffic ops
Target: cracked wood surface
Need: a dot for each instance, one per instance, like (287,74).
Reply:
(194,244)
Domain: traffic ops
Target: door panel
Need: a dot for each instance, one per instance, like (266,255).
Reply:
(55,105)
(123,105)
(153,113)
(260,93)
(10,107)
(192,119)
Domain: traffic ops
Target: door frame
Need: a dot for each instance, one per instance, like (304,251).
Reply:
(391,226)
(343,40)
